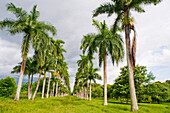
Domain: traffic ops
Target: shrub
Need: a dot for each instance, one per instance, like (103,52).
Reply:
(8,86)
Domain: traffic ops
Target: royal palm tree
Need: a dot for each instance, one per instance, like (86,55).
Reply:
(91,74)
(50,63)
(56,90)
(107,43)
(122,9)
(33,32)
(30,69)
(48,87)
(83,64)
(54,80)
(85,43)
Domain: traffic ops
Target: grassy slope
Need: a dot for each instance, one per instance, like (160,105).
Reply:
(72,104)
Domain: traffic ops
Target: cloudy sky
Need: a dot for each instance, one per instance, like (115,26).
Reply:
(73,19)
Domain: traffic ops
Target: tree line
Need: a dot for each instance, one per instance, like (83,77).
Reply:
(48,53)
(146,89)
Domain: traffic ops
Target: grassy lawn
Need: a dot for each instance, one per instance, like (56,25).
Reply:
(71,104)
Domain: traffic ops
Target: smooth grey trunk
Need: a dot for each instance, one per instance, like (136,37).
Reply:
(82,92)
(59,91)
(90,91)
(87,95)
(53,89)
(84,95)
(105,80)
(20,80)
(43,88)
(30,95)
(56,89)
(28,86)
(37,86)
(134,105)
(51,93)
(48,84)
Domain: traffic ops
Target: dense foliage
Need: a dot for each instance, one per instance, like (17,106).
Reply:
(7,86)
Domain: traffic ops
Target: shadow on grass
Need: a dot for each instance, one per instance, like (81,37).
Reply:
(110,101)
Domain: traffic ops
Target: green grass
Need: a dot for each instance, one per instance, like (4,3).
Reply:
(71,104)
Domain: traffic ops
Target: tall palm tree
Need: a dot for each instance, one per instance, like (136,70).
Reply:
(49,64)
(122,9)
(30,69)
(56,90)
(54,80)
(32,29)
(107,43)
(48,87)
(91,74)
(85,43)
(83,64)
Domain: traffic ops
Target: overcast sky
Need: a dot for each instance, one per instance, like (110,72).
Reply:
(73,19)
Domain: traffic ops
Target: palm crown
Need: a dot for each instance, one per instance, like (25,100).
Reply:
(119,7)
(107,43)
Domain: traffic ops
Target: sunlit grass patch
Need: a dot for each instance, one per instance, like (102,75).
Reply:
(71,104)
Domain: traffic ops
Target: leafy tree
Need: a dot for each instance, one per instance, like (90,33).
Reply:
(109,91)
(34,32)
(7,86)
(158,91)
(123,8)
(121,85)
(98,92)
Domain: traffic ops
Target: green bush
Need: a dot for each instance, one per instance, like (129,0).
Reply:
(8,86)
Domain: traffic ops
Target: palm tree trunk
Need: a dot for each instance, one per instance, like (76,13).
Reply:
(48,84)
(87,90)
(105,80)
(82,92)
(51,93)
(37,86)
(59,91)
(84,95)
(43,88)
(134,106)
(30,95)
(90,91)
(53,89)
(20,80)
(56,89)
(28,86)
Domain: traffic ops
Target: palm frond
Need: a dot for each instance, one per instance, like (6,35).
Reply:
(106,8)
(19,13)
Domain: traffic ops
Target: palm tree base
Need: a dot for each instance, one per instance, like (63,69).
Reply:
(16,98)
(105,104)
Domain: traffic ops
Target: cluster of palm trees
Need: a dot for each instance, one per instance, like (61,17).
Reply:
(48,55)
(106,42)
(86,73)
